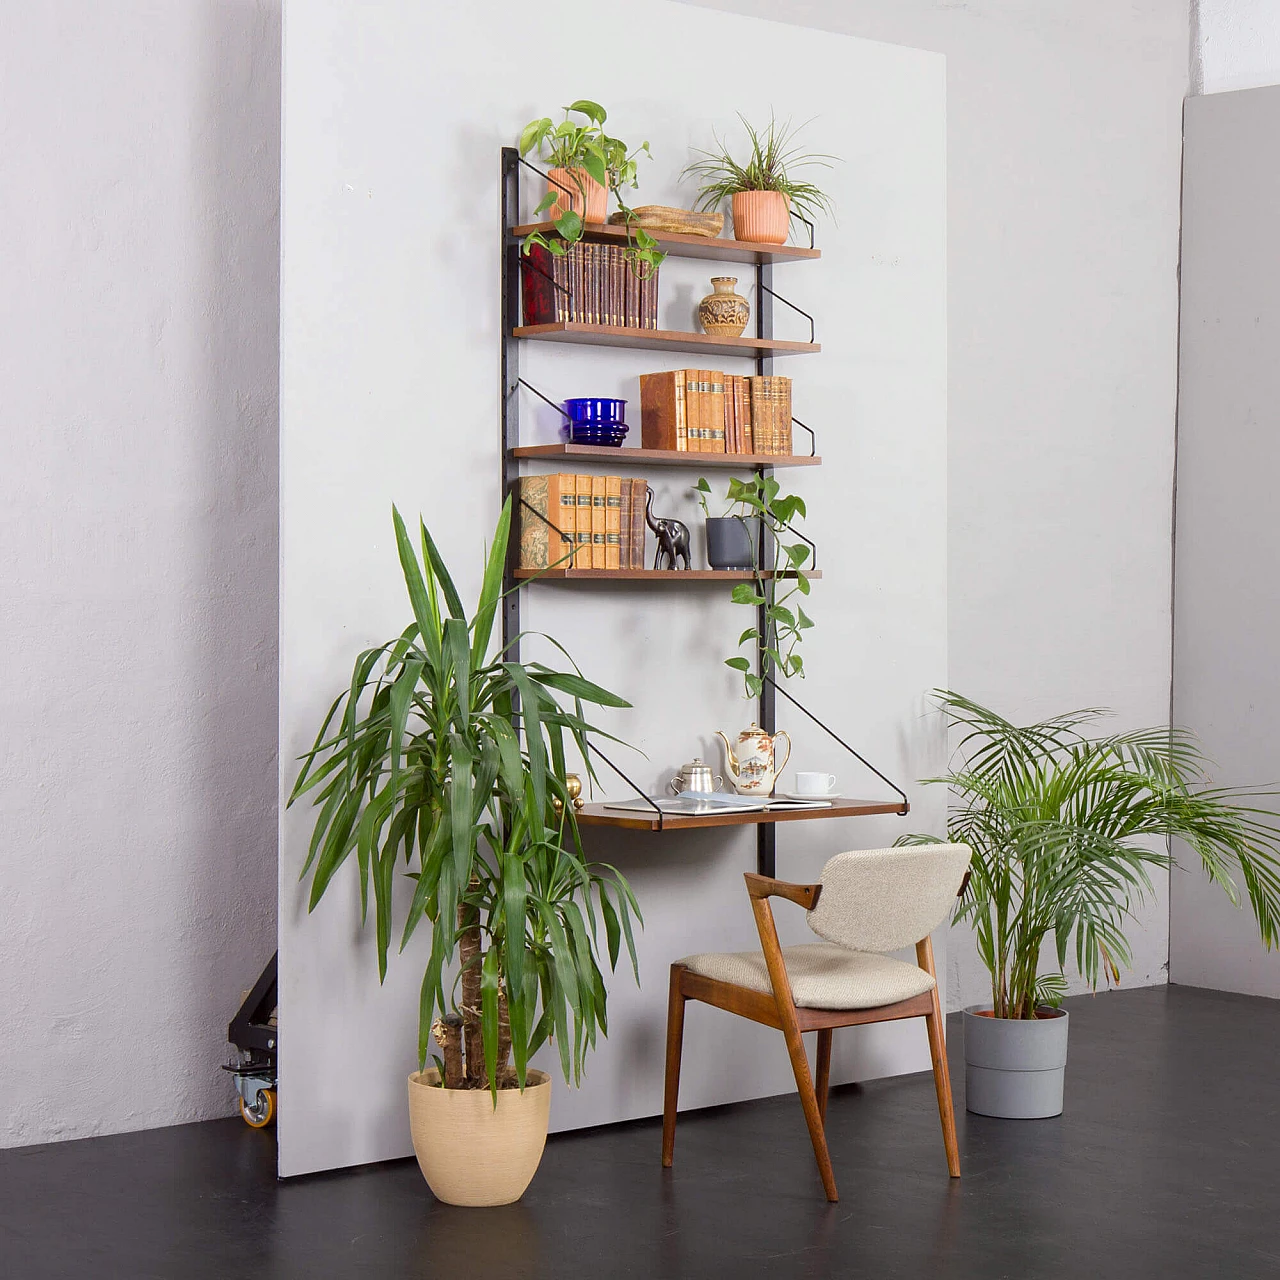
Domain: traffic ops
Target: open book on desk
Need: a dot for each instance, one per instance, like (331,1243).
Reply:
(713,802)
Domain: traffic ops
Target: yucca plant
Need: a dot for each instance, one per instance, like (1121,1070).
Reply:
(771,162)
(1061,827)
(448,759)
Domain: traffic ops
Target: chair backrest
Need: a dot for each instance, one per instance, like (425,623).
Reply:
(883,899)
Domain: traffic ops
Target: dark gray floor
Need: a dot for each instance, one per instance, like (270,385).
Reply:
(1166,1164)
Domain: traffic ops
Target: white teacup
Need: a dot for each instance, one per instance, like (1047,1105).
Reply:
(815,784)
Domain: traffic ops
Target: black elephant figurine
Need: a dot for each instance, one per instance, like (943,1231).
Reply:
(672,535)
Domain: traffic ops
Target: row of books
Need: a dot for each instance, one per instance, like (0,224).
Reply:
(704,411)
(590,283)
(581,522)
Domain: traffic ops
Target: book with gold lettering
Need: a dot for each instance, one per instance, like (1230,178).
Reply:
(546,509)
(613,522)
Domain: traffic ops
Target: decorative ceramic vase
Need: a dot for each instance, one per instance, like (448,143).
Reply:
(761,216)
(471,1152)
(585,195)
(724,312)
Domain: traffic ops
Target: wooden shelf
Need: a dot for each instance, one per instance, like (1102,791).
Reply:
(649,575)
(597,815)
(661,457)
(719,248)
(612,335)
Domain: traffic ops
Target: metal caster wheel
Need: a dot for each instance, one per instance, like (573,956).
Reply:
(262,1111)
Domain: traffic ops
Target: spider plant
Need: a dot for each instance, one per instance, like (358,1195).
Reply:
(771,164)
(1062,826)
(449,758)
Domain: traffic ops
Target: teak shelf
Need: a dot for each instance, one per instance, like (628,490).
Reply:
(651,575)
(614,335)
(761,347)
(661,457)
(717,249)
(598,815)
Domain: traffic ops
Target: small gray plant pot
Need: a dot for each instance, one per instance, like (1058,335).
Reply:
(1014,1067)
(731,542)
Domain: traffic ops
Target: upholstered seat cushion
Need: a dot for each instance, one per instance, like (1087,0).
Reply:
(823,976)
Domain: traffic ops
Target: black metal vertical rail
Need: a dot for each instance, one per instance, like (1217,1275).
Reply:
(509,378)
(766,832)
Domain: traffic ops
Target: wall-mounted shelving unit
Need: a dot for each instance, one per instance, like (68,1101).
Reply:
(763,348)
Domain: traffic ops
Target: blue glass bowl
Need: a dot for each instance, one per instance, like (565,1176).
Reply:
(609,434)
(596,409)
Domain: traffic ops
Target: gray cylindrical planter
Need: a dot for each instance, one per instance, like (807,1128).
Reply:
(1014,1067)
(730,542)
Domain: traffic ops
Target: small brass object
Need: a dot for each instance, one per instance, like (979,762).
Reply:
(573,785)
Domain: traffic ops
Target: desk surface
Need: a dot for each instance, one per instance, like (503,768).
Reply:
(597,815)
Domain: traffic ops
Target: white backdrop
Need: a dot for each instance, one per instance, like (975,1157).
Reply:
(393,116)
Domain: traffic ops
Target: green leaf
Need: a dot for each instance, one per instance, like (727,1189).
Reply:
(569,224)
(592,110)
(489,1018)
(738,664)
(745,593)
(491,587)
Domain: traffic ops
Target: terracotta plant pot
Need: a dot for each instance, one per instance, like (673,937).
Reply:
(471,1152)
(587,197)
(761,216)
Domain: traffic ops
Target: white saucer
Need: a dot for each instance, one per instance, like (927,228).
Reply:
(809,795)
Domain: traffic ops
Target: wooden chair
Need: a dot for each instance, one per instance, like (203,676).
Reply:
(868,902)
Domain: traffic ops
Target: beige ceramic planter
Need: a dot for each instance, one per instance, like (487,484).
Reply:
(585,195)
(761,216)
(470,1152)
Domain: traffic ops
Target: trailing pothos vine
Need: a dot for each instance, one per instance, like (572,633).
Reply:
(779,581)
(609,161)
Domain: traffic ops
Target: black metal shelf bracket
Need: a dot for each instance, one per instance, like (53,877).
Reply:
(813,437)
(528,386)
(831,733)
(644,795)
(787,303)
(807,223)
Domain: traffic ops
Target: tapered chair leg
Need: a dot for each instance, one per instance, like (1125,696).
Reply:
(809,1100)
(671,1089)
(824,1071)
(938,1053)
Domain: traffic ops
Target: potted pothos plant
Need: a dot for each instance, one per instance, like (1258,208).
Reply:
(763,184)
(758,524)
(1065,828)
(586,166)
(447,759)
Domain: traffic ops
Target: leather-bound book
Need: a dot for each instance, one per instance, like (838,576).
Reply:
(547,507)
(639,493)
(598,530)
(663,409)
(613,522)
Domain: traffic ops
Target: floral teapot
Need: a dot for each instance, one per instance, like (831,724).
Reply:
(751,763)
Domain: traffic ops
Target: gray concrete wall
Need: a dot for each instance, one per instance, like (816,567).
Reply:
(1227,678)
(138,362)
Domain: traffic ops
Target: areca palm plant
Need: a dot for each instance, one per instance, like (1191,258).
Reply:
(1061,825)
(447,759)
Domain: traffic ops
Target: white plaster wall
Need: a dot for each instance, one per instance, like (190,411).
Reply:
(389,373)
(1064,126)
(138,357)
(1236,45)
(1226,678)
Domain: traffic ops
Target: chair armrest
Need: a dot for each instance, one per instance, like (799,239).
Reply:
(804,895)
(964,884)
